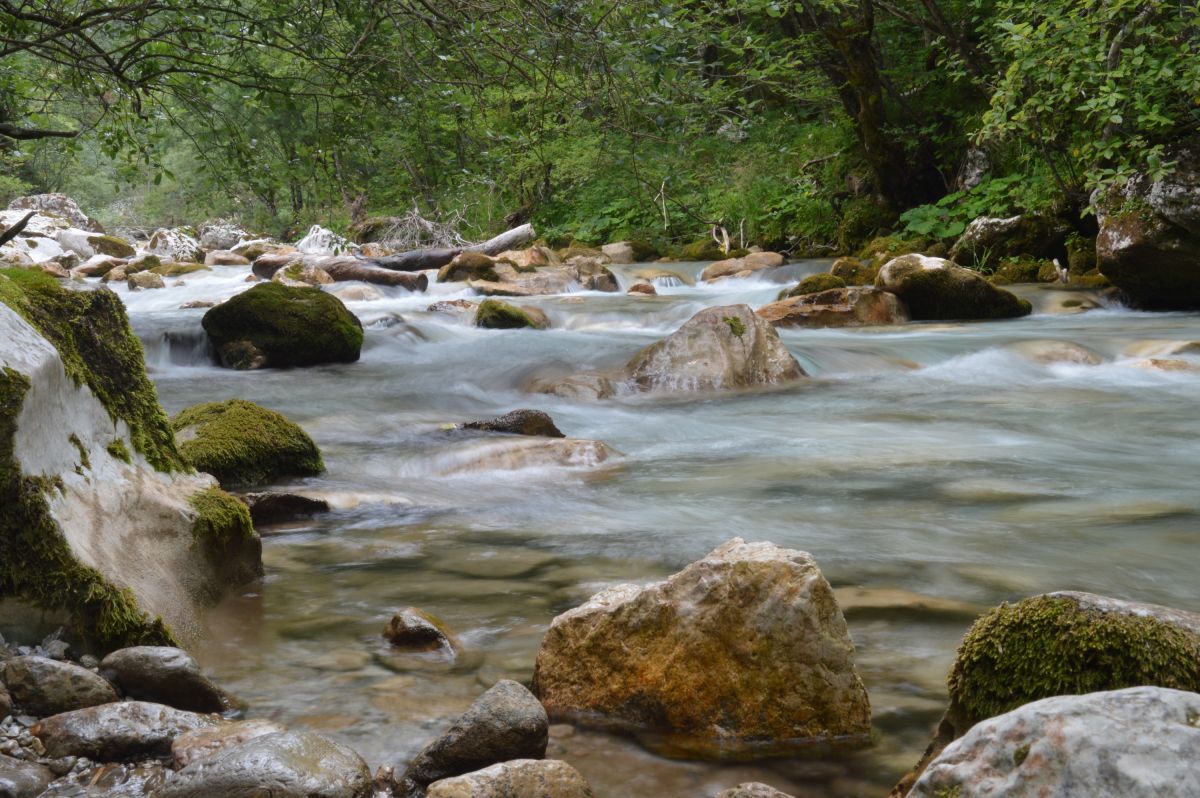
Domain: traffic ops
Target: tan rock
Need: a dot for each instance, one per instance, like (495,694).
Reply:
(205,743)
(837,307)
(642,288)
(1166,364)
(224,257)
(753,262)
(1047,352)
(747,644)
(517,778)
(143,280)
(300,274)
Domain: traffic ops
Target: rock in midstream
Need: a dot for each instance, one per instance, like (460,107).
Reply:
(518,778)
(504,723)
(41,686)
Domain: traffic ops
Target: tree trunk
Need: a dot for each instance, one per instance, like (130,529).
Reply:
(420,259)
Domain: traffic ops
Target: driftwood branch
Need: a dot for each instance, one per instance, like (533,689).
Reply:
(341,269)
(16,229)
(421,259)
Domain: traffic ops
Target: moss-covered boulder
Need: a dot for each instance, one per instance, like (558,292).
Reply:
(496,315)
(274,326)
(97,518)
(936,290)
(1065,643)
(815,283)
(879,251)
(745,646)
(171,269)
(1032,236)
(853,271)
(243,444)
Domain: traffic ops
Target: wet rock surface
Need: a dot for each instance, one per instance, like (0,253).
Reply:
(412,629)
(506,722)
(278,508)
(164,675)
(41,686)
(20,779)
(520,778)
(838,307)
(117,731)
(519,422)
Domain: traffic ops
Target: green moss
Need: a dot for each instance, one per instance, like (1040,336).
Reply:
(1020,755)
(36,563)
(815,283)
(220,519)
(177,269)
(879,251)
(243,444)
(84,460)
(736,325)
(496,315)
(704,249)
(280,326)
(468,266)
(853,271)
(145,263)
(1050,645)
(112,246)
(119,451)
(92,335)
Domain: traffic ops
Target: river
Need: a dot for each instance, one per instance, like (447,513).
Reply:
(938,466)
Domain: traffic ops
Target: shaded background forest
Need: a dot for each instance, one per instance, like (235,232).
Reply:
(803,126)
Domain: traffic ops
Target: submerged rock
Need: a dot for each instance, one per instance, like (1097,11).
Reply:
(519,778)
(41,686)
(504,723)
(839,307)
(1149,240)
(746,645)
(164,675)
(936,290)
(1141,742)
(112,732)
(99,514)
(272,326)
(722,348)
(1059,644)
(519,422)
(1047,352)
(645,288)
(280,765)
(244,444)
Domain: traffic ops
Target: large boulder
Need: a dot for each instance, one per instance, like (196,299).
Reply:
(520,778)
(989,240)
(165,675)
(59,205)
(746,645)
(504,723)
(279,765)
(41,686)
(1141,742)
(87,244)
(176,244)
(752,262)
(1149,240)
(100,517)
(112,732)
(494,314)
(273,326)
(244,444)
(1060,644)
(839,307)
(934,289)
(220,235)
(718,349)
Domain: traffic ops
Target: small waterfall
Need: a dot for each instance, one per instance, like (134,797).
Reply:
(177,348)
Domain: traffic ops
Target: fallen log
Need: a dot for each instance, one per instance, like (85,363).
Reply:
(342,269)
(436,258)
(16,229)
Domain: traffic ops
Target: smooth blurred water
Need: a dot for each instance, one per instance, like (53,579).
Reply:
(932,458)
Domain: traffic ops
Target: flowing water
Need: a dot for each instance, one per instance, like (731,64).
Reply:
(933,459)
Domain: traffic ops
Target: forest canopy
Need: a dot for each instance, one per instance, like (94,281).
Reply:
(800,125)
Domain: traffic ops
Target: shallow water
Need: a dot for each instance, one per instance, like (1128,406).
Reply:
(931,458)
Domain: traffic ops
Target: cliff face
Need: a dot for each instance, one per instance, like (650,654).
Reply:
(99,517)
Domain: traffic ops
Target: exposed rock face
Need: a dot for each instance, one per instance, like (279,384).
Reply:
(753,262)
(98,516)
(87,244)
(112,732)
(1149,240)
(840,307)
(519,422)
(1058,644)
(164,675)
(722,348)
(320,241)
(1141,742)
(988,240)
(520,778)
(41,686)
(936,290)
(177,244)
(745,645)
(206,743)
(619,252)
(222,257)
(281,765)
(243,444)
(222,235)
(504,723)
(412,629)
(59,205)
(272,326)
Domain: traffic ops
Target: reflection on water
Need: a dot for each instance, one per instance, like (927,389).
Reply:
(944,460)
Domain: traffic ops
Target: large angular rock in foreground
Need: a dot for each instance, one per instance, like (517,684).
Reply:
(99,516)
(746,645)
(718,349)
(1141,742)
